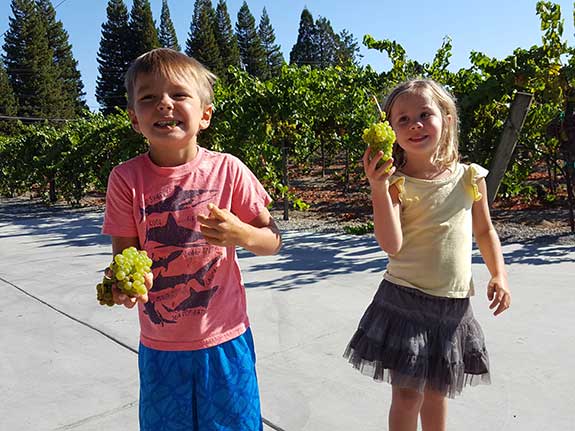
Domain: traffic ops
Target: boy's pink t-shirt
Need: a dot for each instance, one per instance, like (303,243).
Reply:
(198,298)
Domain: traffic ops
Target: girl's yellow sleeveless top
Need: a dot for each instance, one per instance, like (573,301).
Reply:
(437,232)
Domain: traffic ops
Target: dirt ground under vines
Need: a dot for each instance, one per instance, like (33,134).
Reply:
(333,206)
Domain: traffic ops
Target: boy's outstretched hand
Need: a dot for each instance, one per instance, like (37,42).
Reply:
(128,301)
(221,227)
(499,295)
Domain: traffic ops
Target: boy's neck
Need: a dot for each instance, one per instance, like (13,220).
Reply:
(173,158)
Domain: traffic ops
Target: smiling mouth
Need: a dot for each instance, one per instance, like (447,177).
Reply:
(167,124)
(418,139)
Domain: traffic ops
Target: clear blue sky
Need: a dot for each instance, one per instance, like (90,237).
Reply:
(493,27)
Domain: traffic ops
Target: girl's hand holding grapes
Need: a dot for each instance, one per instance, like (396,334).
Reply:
(377,172)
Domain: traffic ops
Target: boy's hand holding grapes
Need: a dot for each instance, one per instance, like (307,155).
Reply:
(127,279)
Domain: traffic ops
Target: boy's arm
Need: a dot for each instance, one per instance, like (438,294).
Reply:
(261,236)
(119,243)
(488,242)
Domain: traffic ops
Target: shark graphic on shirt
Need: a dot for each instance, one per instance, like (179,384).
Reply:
(172,234)
(179,200)
(155,317)
(164,262)
(161,282)
(195,300)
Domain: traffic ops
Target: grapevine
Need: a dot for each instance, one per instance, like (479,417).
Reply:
(127,271)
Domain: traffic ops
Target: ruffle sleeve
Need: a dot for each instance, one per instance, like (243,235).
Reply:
(399,182)
(473,175)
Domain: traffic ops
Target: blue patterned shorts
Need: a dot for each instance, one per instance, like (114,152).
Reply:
(213,389)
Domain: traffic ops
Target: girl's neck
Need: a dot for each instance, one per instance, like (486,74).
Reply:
(426,170)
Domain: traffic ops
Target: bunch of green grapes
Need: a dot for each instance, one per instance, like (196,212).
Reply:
(127,272)
(380,137)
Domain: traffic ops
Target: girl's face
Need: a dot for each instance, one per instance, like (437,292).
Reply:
(417,122)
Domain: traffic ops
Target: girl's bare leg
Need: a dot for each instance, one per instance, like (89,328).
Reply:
(404,411)
(434,411)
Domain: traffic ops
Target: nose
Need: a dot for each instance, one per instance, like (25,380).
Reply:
(416,124)
(165,103)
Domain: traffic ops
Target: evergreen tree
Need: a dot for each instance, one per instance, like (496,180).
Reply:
(304,51)
(202,44)
(251,50)
(326,44)
(227,41)
(8,105)
(143,33)
(67,66)
(29,63)
(348,49)
(273,56)
(114,56)
(167,33)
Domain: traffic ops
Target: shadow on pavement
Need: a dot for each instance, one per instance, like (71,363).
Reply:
(307,258)
(69,226)
(536,253)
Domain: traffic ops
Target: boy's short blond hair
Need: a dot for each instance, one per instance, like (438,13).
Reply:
(168,63)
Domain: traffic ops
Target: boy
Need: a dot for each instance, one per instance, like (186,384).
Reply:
(189,208)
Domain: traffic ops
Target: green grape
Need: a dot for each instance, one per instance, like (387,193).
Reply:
(128,272)
(380,137)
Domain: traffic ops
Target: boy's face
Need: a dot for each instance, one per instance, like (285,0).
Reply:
(168,112)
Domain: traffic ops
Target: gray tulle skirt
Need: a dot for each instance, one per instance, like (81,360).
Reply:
(414,340)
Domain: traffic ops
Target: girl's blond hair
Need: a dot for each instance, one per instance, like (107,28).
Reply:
(168,63)
(447,151)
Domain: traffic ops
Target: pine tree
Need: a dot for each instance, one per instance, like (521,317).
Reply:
(67,66)
(304,51)
(326,44)
(8,105)
(167,33)
(348,49)
(251,50)
(227,41)
(201,43)
(114,56)
(29,63)
(273,56)
(142,29)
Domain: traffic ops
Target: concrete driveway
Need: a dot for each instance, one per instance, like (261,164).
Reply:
(67,363)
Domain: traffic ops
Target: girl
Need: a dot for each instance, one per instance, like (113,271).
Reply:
(419,333)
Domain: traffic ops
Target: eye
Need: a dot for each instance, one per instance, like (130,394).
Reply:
(425,115)
(146,97)
(403,119)
(180,96)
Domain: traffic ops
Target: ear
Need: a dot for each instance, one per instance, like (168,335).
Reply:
(206,117)
(134,120)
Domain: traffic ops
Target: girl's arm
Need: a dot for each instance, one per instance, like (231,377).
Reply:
(385,202)
(488,242)
(221,227)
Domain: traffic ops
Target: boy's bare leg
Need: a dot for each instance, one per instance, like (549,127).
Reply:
(434,411)
(404,411)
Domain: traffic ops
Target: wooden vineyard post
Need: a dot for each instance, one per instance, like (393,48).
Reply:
(285,161)
(511,130)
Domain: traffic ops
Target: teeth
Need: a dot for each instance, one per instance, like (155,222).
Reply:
(171,123)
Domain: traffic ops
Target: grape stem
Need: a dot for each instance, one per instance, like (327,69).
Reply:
(381,114)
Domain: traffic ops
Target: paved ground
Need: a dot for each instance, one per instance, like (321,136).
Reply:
(67,363)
